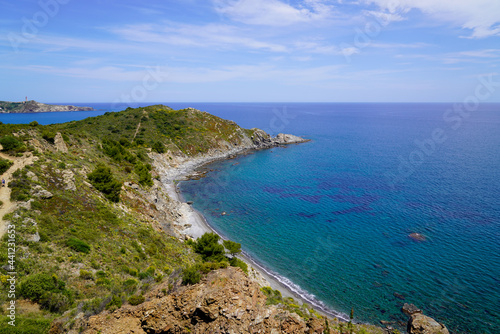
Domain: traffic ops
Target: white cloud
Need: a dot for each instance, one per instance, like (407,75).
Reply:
(273,12)
(480,16)
(209,35)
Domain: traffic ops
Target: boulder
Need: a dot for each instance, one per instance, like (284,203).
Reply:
(69,180)
(39,192)
(60,144)
(422,324)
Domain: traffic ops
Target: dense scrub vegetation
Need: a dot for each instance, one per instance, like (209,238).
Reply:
(5,165)
(76,248)
(213,255)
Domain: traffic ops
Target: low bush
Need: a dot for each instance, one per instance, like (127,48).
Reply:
(273,296)
(102,179)
(49,291)
(158,147)
(191,276)
(136,300)
(5,165)
(235,262)
(78,245)
(49,136)
(11,143)
(86,275)
(144,175)
(114,304)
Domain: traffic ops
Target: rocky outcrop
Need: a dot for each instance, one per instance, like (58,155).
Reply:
(59,143)
(420,323)
(33,106)
(39,192)
(261,139)
(226,301)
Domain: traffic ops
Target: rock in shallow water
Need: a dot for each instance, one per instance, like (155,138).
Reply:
(417,236)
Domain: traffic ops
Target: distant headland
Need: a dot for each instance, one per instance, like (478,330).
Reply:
(33,106)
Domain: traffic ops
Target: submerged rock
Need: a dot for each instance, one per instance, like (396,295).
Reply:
(417,236)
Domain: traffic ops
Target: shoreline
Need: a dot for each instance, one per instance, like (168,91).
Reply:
(198,225)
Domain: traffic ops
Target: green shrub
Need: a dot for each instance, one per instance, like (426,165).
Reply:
(114,304)
(130,286)
(61,165)
(20,185)
(101,274)
(34,123)
(235,262)
(48,136)
(5,165)
(190,276)
(11,143)
(43,236)
(48,291)
(86,275)
(209,248)
(93,306)
(78,245)
(273,296)
(55,302)
(102,179)
(136,300)
(158,147)
(144,175)
(234,248)
(25,325)
(36,205)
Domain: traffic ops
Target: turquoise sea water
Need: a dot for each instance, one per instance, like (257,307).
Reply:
(331,217)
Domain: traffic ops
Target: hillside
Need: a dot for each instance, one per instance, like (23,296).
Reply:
(33,106)
(99,236)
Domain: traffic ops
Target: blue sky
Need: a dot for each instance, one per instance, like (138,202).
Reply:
(250,50)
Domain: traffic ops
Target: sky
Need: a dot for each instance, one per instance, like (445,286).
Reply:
(250,50)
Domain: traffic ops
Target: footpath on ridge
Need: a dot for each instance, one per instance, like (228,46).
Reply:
(9,206)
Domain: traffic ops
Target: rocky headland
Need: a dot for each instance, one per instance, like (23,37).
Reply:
(33,106)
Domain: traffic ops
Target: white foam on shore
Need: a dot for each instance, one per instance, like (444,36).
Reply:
(295,290)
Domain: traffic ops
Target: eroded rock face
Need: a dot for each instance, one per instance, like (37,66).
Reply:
(226,301)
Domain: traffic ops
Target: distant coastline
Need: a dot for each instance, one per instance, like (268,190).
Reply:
(32,106)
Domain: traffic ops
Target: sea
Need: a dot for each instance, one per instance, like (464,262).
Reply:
(333,218)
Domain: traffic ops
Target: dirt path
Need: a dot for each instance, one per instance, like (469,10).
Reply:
(8,206)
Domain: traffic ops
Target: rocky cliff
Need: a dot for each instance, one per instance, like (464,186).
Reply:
(33,106)
(226,301)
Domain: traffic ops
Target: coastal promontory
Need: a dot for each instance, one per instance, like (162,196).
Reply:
(33,106)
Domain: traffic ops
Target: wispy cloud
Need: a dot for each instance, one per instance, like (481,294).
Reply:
(274,12)
(480,16)
(209,35)
(472,56)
